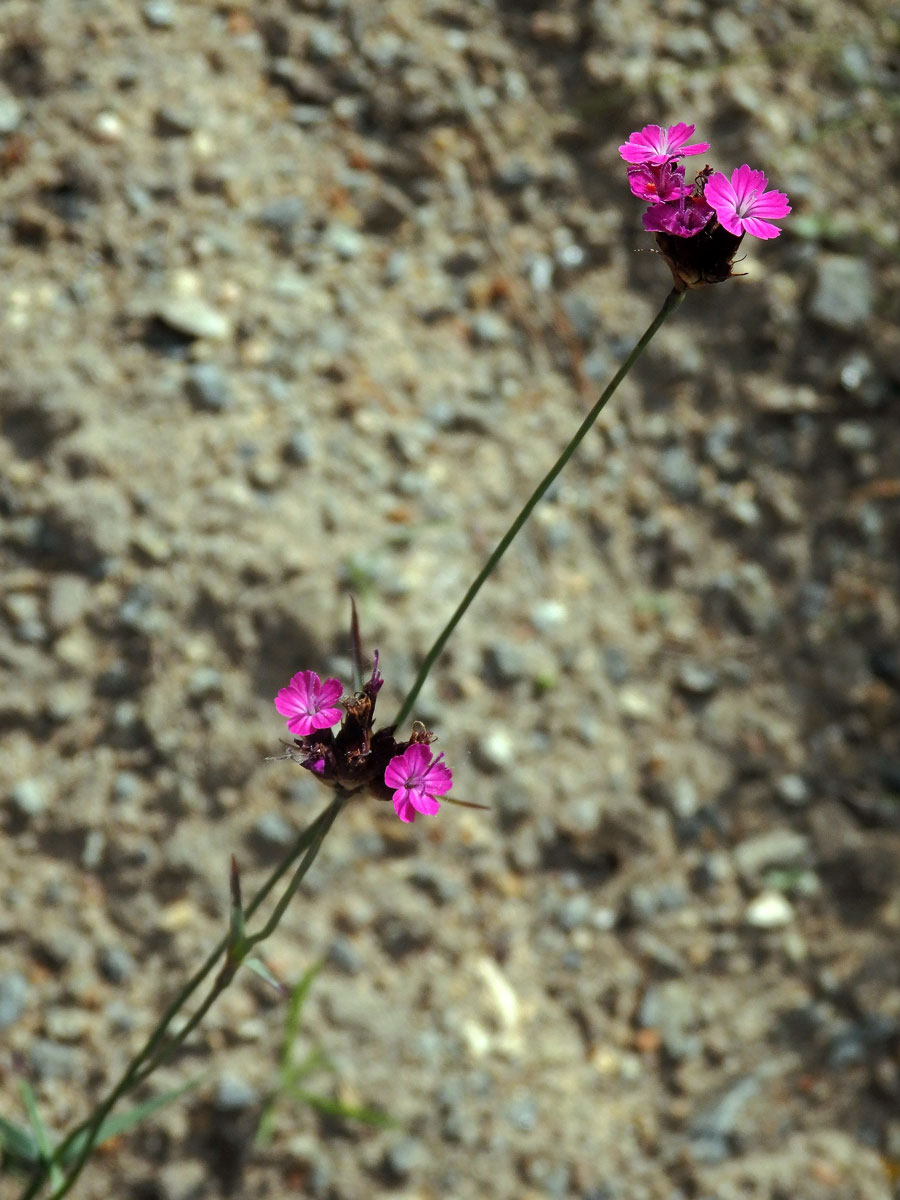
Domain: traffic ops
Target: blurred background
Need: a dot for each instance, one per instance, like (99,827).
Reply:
(300,298)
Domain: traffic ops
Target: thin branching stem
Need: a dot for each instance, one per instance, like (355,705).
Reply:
(156,1049)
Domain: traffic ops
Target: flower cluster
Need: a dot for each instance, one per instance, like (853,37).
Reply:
(357,758)
(698,226)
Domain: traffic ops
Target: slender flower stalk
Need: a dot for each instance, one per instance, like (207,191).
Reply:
(672,302)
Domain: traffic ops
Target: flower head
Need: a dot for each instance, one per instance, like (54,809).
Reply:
(357,758)
(417,780)
(309,704)
(743,205)
(653,144)
(698,229)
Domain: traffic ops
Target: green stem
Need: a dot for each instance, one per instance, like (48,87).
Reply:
(672,302)
(154,1052)
(327,820)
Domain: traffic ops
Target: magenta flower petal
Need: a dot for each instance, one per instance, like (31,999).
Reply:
(683,219)
(309,703)
(760,229)
(403,807)
(656,184)
(653,144)
(417,781)
(742,204)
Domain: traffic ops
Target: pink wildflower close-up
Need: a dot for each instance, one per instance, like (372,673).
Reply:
(417,781)
(656,184)
(743,205)
(309,703)
(654,144)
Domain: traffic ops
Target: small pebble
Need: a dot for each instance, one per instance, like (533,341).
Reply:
(66,1024)
(548,615)
(505,663)
(108,127)
(404,1157)
(769,910)
(496,750)
(343,955)
(489,329)
(159,14)
(523,1113)
(29,796)
(573,912)
(194,318)
(10,114)
(843,293)
(678,473)
(345,241)
(265,473)
(570,256)
(92,851)
(855,436)
(115,963)
(273,830)
(234,1095)
(325,44)
(205,682)
(67,601)
(300,448)
(174,122)
(208,387)
(793,790)
(50,1060)
(696,679)
(776,848)
(14,992)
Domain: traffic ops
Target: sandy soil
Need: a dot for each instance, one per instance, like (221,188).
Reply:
(301,298)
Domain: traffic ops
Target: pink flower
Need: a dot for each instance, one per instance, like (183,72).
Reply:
(682,219)
(657,183)
(743,204)
(653,144)
(309,704)
(417,781)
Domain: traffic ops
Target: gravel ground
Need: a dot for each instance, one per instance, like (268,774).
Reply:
(301,298)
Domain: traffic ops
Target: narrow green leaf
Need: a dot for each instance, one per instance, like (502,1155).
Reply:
(348,1112)
(40,1133)
(266,1122)
(298,998)
(314,1061)
(18,1144)
(258,967)
(123,1122)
